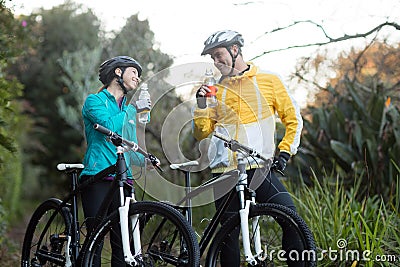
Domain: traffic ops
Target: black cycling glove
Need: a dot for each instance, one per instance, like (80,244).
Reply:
(201,100)
(280,162)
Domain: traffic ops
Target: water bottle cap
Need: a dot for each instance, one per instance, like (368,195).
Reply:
(144,86)
(209,72)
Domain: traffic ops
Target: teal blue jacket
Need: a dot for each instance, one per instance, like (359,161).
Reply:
(102,108)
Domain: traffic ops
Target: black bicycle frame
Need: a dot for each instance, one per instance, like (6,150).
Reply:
(71,201)
(216,219)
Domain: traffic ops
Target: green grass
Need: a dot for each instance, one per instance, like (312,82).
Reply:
(349,224)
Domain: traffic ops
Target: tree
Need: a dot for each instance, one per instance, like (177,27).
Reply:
(328,38)
(12,121)
(137,39)
(353,127)
(11,33)
(80,77)
(54,140)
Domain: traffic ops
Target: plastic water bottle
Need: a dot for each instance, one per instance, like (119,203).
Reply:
(211,97)
(144,95)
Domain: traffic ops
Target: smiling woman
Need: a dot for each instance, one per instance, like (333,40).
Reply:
(108,108)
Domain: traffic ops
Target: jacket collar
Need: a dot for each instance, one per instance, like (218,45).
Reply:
(108,94)
(252,71)
(105,93)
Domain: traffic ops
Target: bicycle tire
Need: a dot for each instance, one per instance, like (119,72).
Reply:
(167,239)
(46,236)
(271,237)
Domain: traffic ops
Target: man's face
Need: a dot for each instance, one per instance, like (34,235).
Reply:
(222,60)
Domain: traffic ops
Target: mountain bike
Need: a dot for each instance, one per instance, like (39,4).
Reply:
(261,225)
(147,233)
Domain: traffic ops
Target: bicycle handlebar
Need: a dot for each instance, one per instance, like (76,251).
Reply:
(234,145)
(131,145)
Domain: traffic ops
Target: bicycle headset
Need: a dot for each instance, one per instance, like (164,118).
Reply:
(107,68)
(226,39)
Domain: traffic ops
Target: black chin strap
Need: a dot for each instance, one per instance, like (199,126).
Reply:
(120,81)
(234,57)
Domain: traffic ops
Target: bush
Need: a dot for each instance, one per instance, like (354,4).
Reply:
(355,136)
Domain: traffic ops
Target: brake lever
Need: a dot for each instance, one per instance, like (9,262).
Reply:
(115,139)
(275,169)
(155,162)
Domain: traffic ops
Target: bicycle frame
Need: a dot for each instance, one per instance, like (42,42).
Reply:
(246,199)
(71,201)
(244,214)
(118,184)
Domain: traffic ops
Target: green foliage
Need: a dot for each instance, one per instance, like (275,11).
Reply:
(3,222)
(137,40)
(13,122)
(11,34)
(8,90)
(80,79)
(53,139)
(357,136)
(336,216)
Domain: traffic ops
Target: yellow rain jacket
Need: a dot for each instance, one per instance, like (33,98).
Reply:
(246,110)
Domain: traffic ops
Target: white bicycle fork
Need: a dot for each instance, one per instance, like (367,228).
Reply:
(244,219)
(123,218)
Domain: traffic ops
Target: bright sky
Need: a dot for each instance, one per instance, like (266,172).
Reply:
(181,27)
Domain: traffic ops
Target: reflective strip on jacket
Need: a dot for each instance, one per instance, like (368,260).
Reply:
(246,110)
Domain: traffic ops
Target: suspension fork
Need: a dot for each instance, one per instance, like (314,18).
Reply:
(124,213)
(123,217)
(244,211)
(135,225)
(256,230)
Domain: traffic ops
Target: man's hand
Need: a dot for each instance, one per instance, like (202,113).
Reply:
(201,96)
(279,163)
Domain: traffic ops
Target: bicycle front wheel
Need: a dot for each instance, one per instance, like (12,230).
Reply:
(285,239)
(47,235)
(166,239)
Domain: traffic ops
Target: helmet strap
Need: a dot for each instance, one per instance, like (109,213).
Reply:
(234,57)
(120,81)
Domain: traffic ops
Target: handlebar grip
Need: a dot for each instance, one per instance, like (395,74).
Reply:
(130,144)
(221,136)
(236,146)
(103,129)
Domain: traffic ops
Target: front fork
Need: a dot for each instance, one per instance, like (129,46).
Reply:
(244,219)
(124,214)
(123,218)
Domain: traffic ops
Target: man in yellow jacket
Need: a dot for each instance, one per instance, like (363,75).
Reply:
(248,100)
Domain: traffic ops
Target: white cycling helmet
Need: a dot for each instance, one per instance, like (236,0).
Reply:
(224,38)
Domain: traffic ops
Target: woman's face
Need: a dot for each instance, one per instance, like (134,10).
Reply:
(131,78)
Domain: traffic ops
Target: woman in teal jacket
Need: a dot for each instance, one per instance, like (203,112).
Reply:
(108,108)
